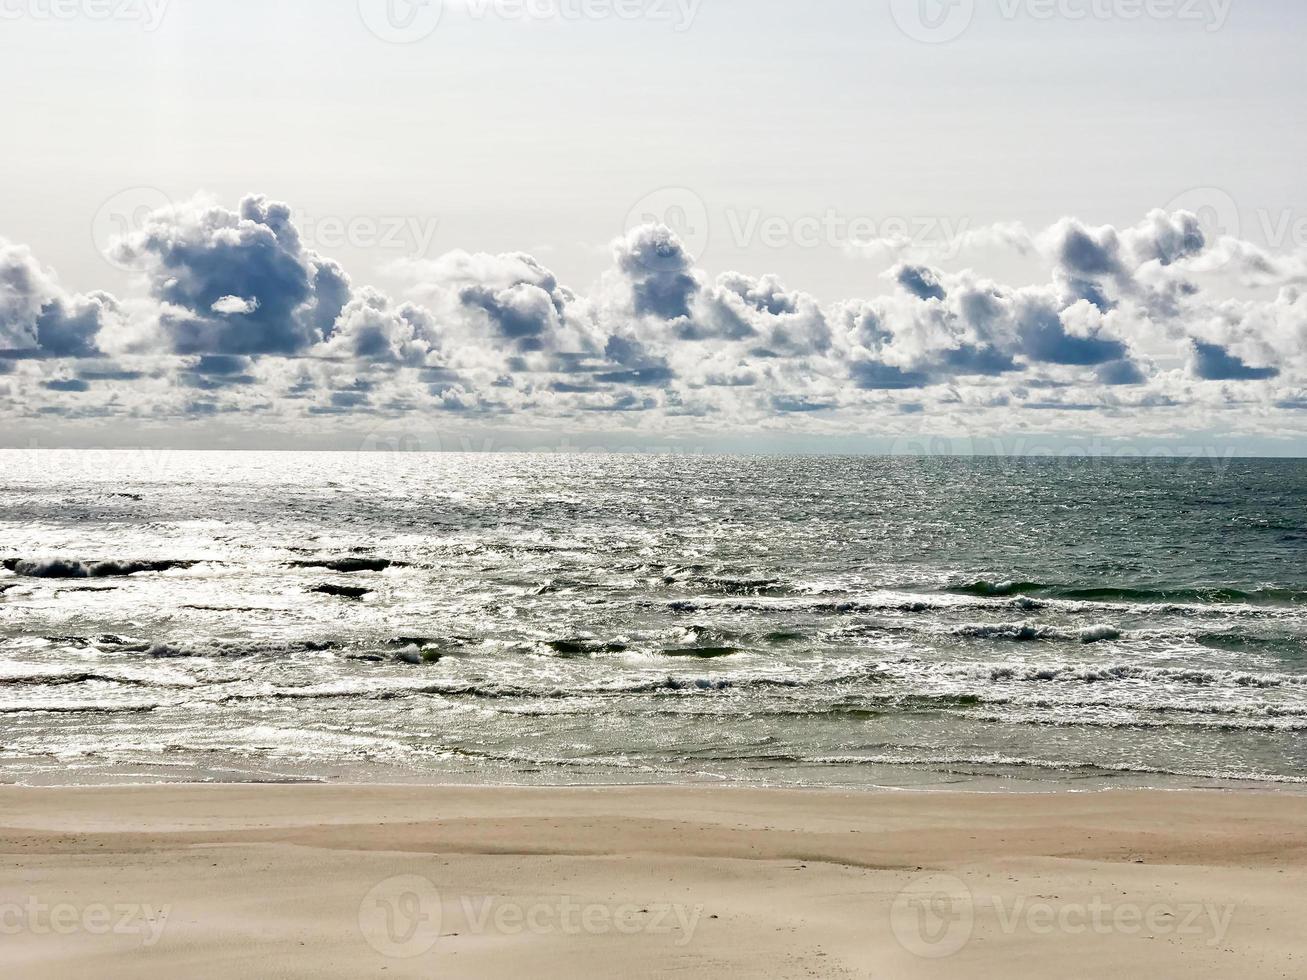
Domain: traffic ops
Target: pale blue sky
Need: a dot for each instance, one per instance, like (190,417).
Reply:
(541,135)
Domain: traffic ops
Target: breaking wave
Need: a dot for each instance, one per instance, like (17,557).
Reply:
(63,568)
(1117,594)
(1026,633)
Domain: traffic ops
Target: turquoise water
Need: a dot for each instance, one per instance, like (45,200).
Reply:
(812,621)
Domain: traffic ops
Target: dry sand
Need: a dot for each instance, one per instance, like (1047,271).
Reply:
(365,881)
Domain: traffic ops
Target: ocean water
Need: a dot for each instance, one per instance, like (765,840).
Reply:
(986,623)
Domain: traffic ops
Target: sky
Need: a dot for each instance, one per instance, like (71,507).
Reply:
(910,225)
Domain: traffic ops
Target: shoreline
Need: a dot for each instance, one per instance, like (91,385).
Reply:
(933,782)
(1273,788)
(475,881)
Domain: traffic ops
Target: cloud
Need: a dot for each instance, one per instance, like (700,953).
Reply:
(373,328)
(40,319)
(765,295)
(235,282)
(234,317)
(235,306)
(509,301)
(1167,238)
(658,270)
(919,280)
(741,308)
(1088,262)
(1120,373)
(1070,336)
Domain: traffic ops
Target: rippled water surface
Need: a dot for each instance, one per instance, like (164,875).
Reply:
(908,622)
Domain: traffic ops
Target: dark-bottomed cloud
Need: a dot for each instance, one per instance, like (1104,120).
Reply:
(235,317)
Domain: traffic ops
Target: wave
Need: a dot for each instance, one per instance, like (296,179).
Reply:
(913,701)
(1105,674)
(582,647)
(730,586)
(712,643)
(1017,762)
(987,589)
(57,679)
(100,640)
(483,691)
(1240,641)
(226,650)
(1026,633)
(1215,723)
(784,636)
(342,591)
(1117,594)
(349,565)
(916,603)
(1130,697)
(228,609)
(702,653)
(62,568)
(79,709)
(1169,717)
(995,762)
(1234,639)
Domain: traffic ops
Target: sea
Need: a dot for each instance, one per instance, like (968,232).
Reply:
(923,623)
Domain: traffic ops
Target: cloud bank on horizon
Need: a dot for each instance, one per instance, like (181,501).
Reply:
(236,318)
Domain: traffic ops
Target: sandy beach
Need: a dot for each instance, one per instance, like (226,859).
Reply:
(351,881)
